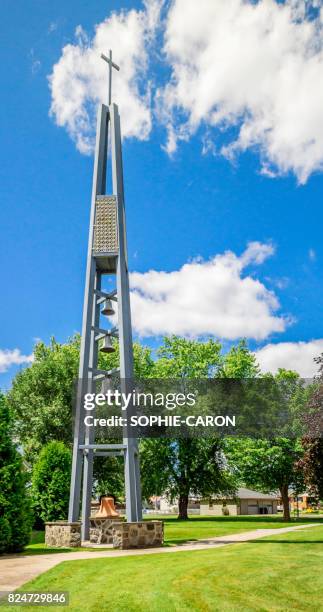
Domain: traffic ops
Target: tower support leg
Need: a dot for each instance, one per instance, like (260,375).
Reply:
(89,431)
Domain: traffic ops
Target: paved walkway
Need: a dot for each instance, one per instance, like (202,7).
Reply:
(16,570)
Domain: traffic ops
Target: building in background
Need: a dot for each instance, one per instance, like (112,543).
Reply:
(244,502)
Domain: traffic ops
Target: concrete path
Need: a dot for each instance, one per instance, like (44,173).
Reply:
(16,570)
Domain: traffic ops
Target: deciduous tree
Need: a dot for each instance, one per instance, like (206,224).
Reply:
(184,466)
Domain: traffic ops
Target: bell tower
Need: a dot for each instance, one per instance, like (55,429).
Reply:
(107,254)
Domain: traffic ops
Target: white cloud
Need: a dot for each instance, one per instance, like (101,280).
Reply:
(253,66)
(207,297)
(79,79)
(248,72)
(9,358)
(296,356)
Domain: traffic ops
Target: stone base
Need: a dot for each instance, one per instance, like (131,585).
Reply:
(63,534)
(101,529)
(138,535)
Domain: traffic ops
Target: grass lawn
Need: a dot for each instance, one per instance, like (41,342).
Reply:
(283,572)
(197,528)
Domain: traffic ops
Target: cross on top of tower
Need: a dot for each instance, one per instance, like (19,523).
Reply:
(111,65)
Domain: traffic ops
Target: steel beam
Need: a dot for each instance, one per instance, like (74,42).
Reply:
(103,446)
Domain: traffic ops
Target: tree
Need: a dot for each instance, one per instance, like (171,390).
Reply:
(312,464)
(183,466)
(181,358)
(15,514)
(239,363)
(268,465)
(273,463)
(312,461)
(51,482)
(42,396)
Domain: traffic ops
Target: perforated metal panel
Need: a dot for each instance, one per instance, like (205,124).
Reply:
(105,238)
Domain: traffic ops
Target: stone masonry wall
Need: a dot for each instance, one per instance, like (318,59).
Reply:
(63,534)
(101,529)
(138,535)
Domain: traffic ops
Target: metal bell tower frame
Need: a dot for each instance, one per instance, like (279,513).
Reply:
(107,254)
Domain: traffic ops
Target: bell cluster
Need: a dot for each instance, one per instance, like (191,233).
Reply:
(107,311)
(107,345)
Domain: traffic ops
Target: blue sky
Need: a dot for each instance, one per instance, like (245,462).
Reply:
(180,206)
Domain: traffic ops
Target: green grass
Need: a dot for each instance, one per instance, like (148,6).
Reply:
(178,532)
(199,527)
(279,573)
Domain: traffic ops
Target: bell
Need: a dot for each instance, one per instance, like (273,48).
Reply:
(107,345)
(107,309)
(107,508)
